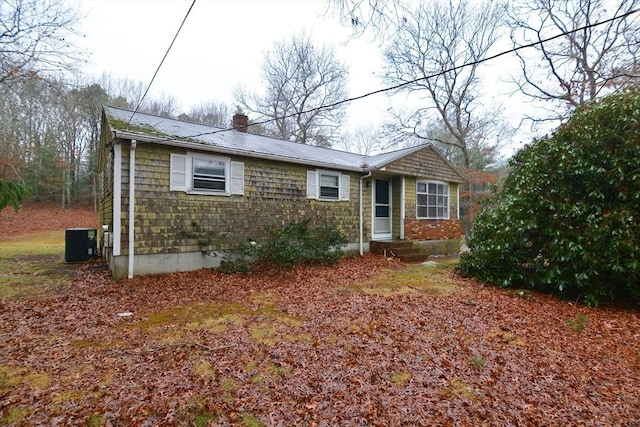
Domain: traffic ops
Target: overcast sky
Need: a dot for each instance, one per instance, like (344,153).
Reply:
(220,46)
(223,43)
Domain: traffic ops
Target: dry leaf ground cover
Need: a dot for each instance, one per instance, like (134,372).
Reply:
(368,342)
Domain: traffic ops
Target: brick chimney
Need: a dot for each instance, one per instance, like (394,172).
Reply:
(241,122)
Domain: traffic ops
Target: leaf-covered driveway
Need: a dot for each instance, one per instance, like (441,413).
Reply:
(313,346)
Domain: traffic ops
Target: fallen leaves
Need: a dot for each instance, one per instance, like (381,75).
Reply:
(366,342)
(292,347)
(34,218)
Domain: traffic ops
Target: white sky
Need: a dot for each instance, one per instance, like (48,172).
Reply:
(223,43)
(220,46)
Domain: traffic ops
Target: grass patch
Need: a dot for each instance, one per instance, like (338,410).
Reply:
(430,279)
(250,421)
(264,333)
(507,337)
(460,389)
(202,420)
(45,243)
(217,317)
(228,385)
(95,420)
(204,369)
(250,366)
(401,378)
(63,399)
(216,324)
(193,316)
(14,376)
(32,276)
(212,317)
(14,416)
(277,370)
(32,265)
(477,362)
(299,338)
(195,413)
(578,323)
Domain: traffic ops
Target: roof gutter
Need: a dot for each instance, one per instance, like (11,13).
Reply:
(224,150)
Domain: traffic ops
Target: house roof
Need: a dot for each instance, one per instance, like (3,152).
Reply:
(162,130)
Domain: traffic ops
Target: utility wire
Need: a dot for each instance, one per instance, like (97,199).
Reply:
(161,62)
(398,86)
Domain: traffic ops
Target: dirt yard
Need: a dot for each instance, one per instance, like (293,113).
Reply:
(371,342)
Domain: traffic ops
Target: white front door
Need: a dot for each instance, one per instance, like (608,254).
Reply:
(381,209)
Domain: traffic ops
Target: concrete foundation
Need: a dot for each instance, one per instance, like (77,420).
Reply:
(184,261)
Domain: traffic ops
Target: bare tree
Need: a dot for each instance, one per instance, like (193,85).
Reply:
(363,140)
(587,60)
(212,113)
(377,17)
(164,106)
(34,38)
(123,92)
(303,84)
(434,58)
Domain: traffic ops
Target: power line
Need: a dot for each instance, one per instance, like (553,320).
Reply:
(162,61)
(401,85)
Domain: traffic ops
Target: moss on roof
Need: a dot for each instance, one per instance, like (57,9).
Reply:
(118,124)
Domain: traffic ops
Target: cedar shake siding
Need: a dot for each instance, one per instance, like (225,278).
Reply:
(274,194)
(200,190)
(426,159)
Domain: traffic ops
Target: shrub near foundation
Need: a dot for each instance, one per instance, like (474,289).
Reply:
(567,219)
(290,245)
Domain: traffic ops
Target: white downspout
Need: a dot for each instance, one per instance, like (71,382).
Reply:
(402,211)
(362,178)
(132,178)
(117,197)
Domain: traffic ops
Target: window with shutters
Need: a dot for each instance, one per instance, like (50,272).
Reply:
(328,185)
(205,174)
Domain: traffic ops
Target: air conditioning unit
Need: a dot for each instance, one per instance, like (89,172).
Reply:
(80,244)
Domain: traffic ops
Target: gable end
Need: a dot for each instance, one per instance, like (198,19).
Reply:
(426,163)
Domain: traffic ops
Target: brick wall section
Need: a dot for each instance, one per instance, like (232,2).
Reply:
(432,229)
(275,194)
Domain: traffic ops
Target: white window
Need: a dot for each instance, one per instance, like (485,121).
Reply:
(432,200)
(204,174)
(209,174)
(328,185)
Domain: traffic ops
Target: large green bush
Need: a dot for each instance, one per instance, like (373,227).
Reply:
(567,219)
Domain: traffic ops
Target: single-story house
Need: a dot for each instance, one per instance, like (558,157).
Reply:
(162,181)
